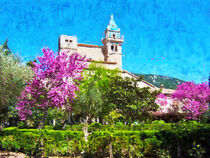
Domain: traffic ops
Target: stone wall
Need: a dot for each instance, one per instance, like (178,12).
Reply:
(92,53)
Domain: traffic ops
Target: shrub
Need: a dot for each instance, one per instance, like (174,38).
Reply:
(183,139)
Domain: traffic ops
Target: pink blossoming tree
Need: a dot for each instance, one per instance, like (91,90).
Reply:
(192,98)
(53,84)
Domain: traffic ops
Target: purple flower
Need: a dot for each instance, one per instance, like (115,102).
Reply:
(53,83)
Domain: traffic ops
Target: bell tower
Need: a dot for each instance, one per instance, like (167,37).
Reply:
(112,43)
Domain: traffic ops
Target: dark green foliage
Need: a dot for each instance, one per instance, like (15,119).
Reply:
(132,102)
(105,95)
(95,127)
(185,139)
(5,49)
(35,142)
(74,127)
(154,126)
(30,63)
(168,82)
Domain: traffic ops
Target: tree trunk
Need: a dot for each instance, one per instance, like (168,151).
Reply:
(1,126)
(69,118)
(110,149)
(54,122)
(128,152)
(85,128)
(41,124)
(179,150)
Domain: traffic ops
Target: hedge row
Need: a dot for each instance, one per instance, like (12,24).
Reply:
(179,141)
(36,142)
(157,125)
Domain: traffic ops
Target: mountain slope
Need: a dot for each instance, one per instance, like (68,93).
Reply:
(158,80)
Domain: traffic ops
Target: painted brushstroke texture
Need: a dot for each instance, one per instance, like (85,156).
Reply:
(164,37)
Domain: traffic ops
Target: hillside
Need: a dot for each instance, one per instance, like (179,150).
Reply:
(157,80)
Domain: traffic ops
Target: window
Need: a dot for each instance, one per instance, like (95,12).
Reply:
(114,35)
(116,48)
(112,47)
(66,40)
(70,41)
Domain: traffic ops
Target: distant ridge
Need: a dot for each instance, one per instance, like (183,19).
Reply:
(157,80)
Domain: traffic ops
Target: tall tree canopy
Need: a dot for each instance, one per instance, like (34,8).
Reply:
(91,99)
(128,99)
(13,77)
(54,83)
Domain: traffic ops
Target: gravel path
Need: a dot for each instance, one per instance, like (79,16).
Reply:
(5,154)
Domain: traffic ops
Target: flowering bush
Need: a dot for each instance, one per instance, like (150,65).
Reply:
(192,98)
(53,85)
(161,100)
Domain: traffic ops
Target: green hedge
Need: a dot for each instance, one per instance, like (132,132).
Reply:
(36,142)
(180,140)
(155,126)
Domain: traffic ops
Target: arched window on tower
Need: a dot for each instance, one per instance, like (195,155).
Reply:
(116,48)
(112,47)
(113,35)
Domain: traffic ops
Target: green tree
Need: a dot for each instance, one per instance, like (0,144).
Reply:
(91,97)
(13,77)
(90,101)
(5,49)
(128,99)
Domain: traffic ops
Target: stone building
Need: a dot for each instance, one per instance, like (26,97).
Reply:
(109,55)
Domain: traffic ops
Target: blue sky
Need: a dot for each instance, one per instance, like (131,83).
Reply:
(175,33)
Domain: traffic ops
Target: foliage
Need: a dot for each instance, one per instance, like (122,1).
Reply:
(129,100)
(95,126)
(38,143)
(13,77)
(57,117)
(181,140)
(114,117)
(156,125)
(53,85)
(191,98)
(90,102)
(5,49)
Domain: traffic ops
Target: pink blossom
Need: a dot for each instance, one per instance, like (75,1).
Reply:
(161,100)
(53,82)
(195,98)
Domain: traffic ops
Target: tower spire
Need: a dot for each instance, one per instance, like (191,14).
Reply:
(112,43)
(112,25)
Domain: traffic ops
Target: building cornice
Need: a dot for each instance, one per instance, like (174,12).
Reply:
(89,45)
